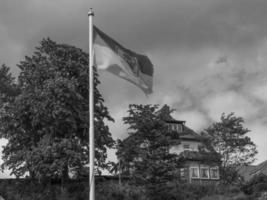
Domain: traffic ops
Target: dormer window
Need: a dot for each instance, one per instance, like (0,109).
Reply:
(176,127)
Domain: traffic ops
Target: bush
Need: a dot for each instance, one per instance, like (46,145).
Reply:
(27,189)
(77,190)
(114,191)
(184,191)
(260,187)
(255,185)
(111,190)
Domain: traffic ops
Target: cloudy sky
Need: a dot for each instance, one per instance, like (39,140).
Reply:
(209,55)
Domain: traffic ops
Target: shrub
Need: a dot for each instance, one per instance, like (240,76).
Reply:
(114,191)
(255,185)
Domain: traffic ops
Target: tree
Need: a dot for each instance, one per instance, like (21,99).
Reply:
(146,149)
(46,123)
(8,87)
(229,138)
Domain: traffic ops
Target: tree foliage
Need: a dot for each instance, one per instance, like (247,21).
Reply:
(46,123)
(8,87)
(145,151)
(229,138)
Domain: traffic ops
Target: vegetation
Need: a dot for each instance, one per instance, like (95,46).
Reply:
(256,185)
(146,149)
(112,190)
(229,138)
(44,115)
(16,190)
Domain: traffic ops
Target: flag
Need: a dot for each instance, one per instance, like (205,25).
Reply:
(111,56)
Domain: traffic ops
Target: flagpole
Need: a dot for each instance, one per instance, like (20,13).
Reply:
(91,109)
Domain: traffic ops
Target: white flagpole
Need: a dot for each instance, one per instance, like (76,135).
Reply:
(91,109)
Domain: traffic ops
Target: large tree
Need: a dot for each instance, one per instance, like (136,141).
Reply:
(8,87)
(146,152)
(46,123)
(229,138)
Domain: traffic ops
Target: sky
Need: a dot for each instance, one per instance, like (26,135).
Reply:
(208,55)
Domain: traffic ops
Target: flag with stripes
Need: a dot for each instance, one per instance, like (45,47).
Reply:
(111,56)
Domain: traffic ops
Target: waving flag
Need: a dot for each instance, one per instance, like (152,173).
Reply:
(113,57)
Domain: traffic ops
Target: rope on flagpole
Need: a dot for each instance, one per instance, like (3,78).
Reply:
(91,110)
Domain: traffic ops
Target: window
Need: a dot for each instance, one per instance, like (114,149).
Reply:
(186,146)
(175,127)
(204,172)
(179,128)
(170,127)
(214,173)
(182,173)
(194,172)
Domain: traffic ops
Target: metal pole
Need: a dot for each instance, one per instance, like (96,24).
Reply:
(91,109)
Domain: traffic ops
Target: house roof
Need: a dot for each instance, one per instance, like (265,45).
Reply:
(189,134)
(199,156)
(248,171)
(175,121)
(186,134)
(245,171)
(260,169)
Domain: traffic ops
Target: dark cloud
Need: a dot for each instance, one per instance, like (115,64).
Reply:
(143,25)
(27,22)
(153,24)
(140,25)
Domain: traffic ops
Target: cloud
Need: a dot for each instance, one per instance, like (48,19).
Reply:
(194,119)
(260,92)
(8,45)
(141,25)
(118,129)
(229,102)
(189,24)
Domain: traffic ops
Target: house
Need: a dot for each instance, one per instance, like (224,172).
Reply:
(198,163)
(245,171)
(250,171)
(259,169)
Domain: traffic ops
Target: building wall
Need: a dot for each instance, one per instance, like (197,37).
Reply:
(194,171)
(205,172)
(193,146)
